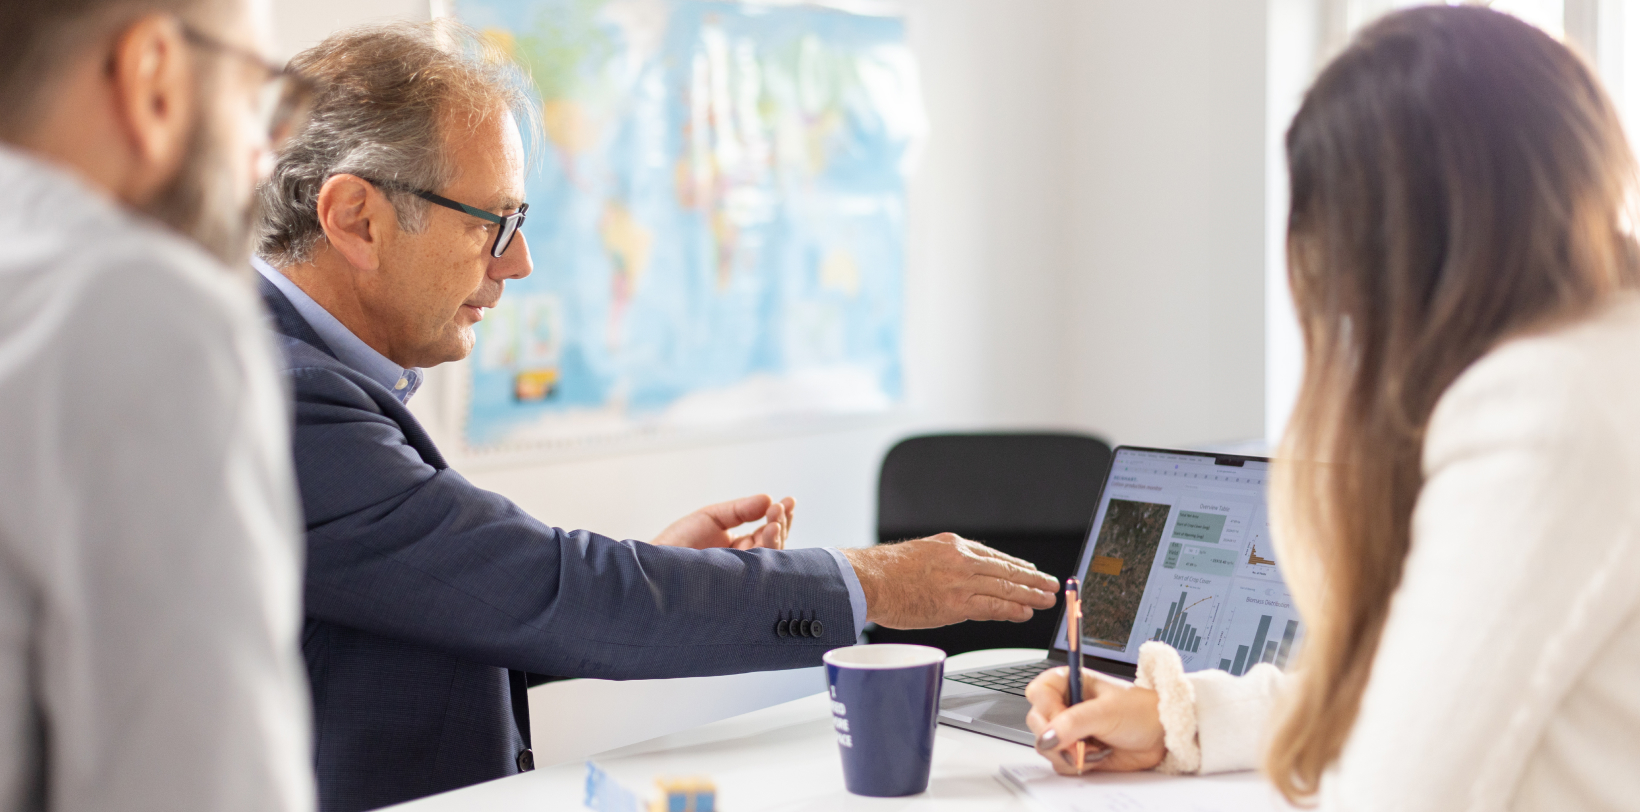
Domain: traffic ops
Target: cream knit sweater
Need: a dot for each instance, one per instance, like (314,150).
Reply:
(1509,673)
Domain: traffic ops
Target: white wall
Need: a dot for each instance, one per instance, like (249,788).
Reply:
(1086,251)
(1167,334)
(1301,32)
(299,24)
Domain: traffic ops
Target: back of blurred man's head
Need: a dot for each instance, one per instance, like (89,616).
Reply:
(143,99)
(38,38)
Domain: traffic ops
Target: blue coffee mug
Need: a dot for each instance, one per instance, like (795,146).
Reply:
(885,701)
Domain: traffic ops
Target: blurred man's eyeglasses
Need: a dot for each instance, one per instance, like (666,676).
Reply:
(286,94)
(509,222)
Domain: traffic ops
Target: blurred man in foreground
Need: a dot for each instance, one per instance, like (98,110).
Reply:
(391,225)
(148,529)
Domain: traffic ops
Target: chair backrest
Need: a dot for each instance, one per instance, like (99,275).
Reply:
(1027,494)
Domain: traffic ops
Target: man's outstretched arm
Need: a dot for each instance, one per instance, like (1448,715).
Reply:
(400,546)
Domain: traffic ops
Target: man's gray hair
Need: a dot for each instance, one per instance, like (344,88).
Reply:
(386,92)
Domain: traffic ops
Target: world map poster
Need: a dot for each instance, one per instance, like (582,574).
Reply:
(717,218)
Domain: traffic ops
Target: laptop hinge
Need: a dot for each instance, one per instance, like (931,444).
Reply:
(1100,664)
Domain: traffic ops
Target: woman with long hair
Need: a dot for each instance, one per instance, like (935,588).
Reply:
(1456,502)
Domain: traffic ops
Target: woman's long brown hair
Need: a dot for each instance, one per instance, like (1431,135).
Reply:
(1458,178)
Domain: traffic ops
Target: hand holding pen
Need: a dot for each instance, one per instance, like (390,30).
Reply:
(1073,643)
(1077,755)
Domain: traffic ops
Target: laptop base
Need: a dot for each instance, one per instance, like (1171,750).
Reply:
(985,711)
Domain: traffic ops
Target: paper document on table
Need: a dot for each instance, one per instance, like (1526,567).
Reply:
(1143,791)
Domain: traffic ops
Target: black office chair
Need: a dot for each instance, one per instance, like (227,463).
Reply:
(1028,495)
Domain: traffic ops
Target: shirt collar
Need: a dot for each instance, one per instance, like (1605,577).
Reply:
(38,188)
(349,348)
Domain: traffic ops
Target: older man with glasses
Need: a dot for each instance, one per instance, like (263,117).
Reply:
(149,533)
(391,224)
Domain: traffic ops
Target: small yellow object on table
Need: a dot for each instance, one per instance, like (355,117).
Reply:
(693,794)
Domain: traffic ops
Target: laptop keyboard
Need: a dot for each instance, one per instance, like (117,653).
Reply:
(1011,680)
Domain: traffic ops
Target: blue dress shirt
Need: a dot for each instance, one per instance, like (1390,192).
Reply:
(403,383)
(349,348)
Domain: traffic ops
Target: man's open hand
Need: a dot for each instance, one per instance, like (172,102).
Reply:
(947,579)
(714,525)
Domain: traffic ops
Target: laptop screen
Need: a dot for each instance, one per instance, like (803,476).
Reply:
(1180,552)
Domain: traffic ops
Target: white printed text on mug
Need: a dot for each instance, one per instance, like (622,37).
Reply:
(839,710)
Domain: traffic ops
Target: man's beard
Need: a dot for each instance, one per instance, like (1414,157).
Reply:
(201,201)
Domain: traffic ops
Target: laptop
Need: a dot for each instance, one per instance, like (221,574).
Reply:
(1178,551)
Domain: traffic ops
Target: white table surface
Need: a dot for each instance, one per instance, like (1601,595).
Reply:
(778,758)
(573,719)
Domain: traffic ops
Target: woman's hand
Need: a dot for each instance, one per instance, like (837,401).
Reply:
(1116,713)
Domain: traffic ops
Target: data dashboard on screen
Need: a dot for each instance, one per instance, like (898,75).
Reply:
(1181,553)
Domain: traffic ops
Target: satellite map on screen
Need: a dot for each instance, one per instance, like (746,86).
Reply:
(1115,581)
(717,221)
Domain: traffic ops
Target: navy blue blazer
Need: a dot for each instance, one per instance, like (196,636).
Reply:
(427,598)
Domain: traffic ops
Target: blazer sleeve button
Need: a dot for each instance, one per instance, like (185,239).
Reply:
(817,629)
(803,627)
(780,627)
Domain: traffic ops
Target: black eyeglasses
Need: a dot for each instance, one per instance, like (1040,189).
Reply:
(509,222)
(286,95)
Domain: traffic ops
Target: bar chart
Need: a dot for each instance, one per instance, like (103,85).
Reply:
(1177,631)
(1255,554)
(1263,628)
(1263,648)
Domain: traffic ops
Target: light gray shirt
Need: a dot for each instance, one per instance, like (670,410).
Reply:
(150,558)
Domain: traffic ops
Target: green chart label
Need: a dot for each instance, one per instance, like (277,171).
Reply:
(1193,526)
(1205,560)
